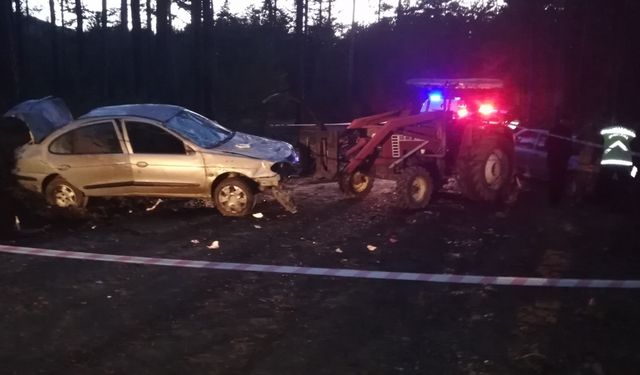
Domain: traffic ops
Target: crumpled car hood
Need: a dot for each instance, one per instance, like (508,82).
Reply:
(42,116)
(256,147)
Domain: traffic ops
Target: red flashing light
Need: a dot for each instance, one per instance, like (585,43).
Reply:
(487,109)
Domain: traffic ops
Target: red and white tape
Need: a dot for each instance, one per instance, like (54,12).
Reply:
(333,272)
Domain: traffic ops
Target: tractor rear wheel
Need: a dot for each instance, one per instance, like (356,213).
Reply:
(357,184)
(486,169)
(414,188)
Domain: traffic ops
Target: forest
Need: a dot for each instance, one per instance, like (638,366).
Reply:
(576,58)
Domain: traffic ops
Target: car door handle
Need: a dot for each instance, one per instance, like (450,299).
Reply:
(142,164)
(63,167)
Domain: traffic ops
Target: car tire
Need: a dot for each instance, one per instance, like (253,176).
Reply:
(61,193)
(414,188)
(234,197)
(357,184)
(485,170)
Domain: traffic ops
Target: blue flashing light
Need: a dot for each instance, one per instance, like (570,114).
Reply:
(435,97)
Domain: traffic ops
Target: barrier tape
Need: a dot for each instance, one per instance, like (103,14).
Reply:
(332,272)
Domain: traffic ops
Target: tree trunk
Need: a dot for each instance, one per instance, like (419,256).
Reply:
(196,53)
(54,48)
(136,34)
(350,64)
(148,9)
(79,34)
(62,13)
(8,71)
(18,37)
(299,85)
(124,15)
(320,12)
(105,55)
(162,52)
(209,71)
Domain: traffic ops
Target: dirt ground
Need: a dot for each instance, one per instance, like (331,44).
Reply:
(61,316)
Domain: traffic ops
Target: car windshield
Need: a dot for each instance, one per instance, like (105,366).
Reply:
(198,129)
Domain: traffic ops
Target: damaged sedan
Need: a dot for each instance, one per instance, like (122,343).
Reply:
(146,150)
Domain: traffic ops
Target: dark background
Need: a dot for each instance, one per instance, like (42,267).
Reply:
(576,58)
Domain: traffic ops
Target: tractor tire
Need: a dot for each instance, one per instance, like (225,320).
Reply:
(414,188)
(357,184)
(486,169)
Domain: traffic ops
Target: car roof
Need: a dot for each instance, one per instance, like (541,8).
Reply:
(158,112)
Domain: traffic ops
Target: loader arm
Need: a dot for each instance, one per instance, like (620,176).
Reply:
(365,147)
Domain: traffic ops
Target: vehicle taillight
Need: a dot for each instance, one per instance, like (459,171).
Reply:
(487,109)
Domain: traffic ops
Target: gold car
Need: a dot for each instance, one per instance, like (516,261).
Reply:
(148,150)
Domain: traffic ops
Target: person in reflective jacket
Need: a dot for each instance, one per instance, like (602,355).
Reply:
(618,171)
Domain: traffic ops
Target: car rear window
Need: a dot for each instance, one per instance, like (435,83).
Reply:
(92,139)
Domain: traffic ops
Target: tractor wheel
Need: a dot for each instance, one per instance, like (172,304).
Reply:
(357,184)
(414,188)
(486,169)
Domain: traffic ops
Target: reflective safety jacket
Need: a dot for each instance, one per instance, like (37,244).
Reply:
(616,146)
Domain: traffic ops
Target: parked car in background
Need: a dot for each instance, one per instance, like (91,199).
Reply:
(149,150)
(531,160)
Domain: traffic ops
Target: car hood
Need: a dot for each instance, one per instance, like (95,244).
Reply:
(42,116)
(256,147)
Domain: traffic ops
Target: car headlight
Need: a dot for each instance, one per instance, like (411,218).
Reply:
(294,157)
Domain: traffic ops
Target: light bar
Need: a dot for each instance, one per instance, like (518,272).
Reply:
(618,130)
(626,163)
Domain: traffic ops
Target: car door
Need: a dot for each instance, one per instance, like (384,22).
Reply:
(162,164)
(539,158)
(525,148)
(92,158)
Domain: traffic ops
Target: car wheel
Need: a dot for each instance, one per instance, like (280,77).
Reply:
(234,197)
(60,193)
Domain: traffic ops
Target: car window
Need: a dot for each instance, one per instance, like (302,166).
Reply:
(526,139)
(92,139)
(150,139)
(541,145)
(198,129)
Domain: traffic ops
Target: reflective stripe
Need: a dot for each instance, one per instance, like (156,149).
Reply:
(618,130)
(617,144)
(616,162)
(634,171)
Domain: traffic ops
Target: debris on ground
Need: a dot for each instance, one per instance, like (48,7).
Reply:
(393,239)
(17,221)
(195,242)
(257,226)
(154,205)
(339,250)
(258,215)
(94,226)
(214,245)
(371,248)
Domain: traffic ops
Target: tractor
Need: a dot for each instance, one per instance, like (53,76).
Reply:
(456,135)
